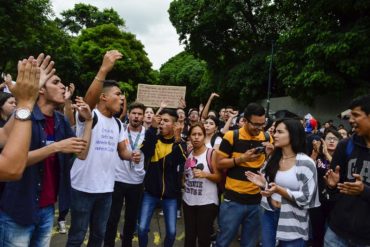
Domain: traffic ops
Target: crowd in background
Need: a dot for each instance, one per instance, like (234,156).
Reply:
(280,180)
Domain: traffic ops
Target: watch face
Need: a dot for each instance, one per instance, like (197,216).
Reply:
(23,113)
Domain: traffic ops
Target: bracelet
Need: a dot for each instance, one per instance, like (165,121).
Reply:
(96,78)
(234,159)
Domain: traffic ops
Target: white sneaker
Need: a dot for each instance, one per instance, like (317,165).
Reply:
(179,214)
(62,227)
(161,213)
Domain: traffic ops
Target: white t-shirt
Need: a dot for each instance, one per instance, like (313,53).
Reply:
(199,191)
(288,179)
(96,173)
(217,142)
(128,171)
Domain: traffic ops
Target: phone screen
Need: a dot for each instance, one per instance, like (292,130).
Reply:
(260,150)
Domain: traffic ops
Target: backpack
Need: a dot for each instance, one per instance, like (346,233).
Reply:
(349,149)
(221,184)
(208,158)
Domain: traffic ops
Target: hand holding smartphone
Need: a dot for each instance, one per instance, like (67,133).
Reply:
(260,150)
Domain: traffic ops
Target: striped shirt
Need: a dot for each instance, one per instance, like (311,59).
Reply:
(294,218)
(238,188)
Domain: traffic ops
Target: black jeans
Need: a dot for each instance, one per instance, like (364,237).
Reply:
(199,224)
(319,218)
(130,194)
(62,215)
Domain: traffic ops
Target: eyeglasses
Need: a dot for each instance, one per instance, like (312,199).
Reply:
(331,139)
(256,125)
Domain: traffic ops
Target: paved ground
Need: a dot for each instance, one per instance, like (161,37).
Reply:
(156,235)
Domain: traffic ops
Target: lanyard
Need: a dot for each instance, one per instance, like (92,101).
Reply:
(132,144)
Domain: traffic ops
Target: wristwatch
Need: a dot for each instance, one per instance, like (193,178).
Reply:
(22,114)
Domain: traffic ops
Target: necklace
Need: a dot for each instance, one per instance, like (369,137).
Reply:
(283,166)
(286,158)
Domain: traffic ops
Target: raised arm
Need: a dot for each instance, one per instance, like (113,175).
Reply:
(84,113)
(124,108)
(228,123)
(161,107)
(68,109)
(14,155)
(46,70)
(150,140)
(205,111)
(95,89)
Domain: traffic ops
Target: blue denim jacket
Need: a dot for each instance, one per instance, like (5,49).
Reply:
(20,199)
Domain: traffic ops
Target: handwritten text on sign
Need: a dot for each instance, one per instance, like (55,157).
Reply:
(153,95)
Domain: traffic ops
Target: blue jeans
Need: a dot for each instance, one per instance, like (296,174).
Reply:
(88,208)
(36,235)
(233,214)
(333,240)
(293,243)
(148,205)
(269,223)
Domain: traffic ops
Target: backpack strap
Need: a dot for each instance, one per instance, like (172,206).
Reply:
(95,121)
(349,147)
(209,159)
(119,124)
(213,139)
(235,137)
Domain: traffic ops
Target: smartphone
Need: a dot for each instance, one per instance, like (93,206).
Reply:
(260,149)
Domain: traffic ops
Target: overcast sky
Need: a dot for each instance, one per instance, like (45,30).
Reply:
(147,19)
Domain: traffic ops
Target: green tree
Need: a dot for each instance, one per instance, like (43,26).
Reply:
(91,46)
(329,53)
(225,32)
(22,23)
(84,16)
(322,46)
(234,38)
(185,70)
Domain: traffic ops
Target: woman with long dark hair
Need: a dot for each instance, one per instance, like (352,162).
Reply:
(290,185)
(212,139)
(200,196)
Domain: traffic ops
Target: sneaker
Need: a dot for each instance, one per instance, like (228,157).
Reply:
(161,213)
(62,227)
(179,214)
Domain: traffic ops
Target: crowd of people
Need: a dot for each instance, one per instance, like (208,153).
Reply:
(284,181)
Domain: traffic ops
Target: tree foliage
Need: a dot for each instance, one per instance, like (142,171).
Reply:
(327,53)
(185,70)
(84,16)
(28,28)
(225,32)
(19,37)
(91,46)
(321,45)
(234,38)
